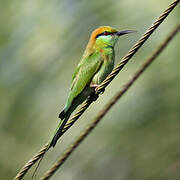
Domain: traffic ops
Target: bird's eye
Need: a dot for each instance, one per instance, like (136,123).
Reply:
(105,33)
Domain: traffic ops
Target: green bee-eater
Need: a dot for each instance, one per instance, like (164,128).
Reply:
(95,65)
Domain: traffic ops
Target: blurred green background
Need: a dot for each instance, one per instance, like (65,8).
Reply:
(41,42)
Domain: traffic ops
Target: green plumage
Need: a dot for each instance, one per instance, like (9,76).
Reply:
(91,70)
(95,65)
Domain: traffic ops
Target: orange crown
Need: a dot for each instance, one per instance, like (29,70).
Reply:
(94,34)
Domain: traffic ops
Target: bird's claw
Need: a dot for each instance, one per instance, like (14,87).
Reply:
(101,91)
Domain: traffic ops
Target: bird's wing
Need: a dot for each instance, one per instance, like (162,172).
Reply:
(83,75)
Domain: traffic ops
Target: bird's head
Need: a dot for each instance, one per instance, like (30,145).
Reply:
(105,36)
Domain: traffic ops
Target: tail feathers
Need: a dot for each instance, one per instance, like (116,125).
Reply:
(54,140)
(58,133)
(62,115)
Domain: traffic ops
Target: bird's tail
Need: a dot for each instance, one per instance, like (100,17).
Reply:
(65,114)
(62,115)
(58,133)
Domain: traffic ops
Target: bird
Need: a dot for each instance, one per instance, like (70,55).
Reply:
(96,64)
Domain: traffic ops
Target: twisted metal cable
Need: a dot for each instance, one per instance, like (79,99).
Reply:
(109,105)
(31,162)
(86,104)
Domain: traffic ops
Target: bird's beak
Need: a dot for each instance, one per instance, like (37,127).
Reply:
(120,33)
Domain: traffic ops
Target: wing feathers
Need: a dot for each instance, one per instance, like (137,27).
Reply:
(83,75)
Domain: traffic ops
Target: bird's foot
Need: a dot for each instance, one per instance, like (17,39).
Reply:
(101,91)
(93,85)
(95,95)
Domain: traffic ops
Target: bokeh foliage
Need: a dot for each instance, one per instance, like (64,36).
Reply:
(41,42)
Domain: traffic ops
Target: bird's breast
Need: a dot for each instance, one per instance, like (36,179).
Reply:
(105,69)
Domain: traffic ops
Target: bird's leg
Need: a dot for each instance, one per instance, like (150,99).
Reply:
(94,96)
(93,85)
(102,90)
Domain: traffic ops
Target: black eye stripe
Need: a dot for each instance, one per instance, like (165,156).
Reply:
(105,33)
